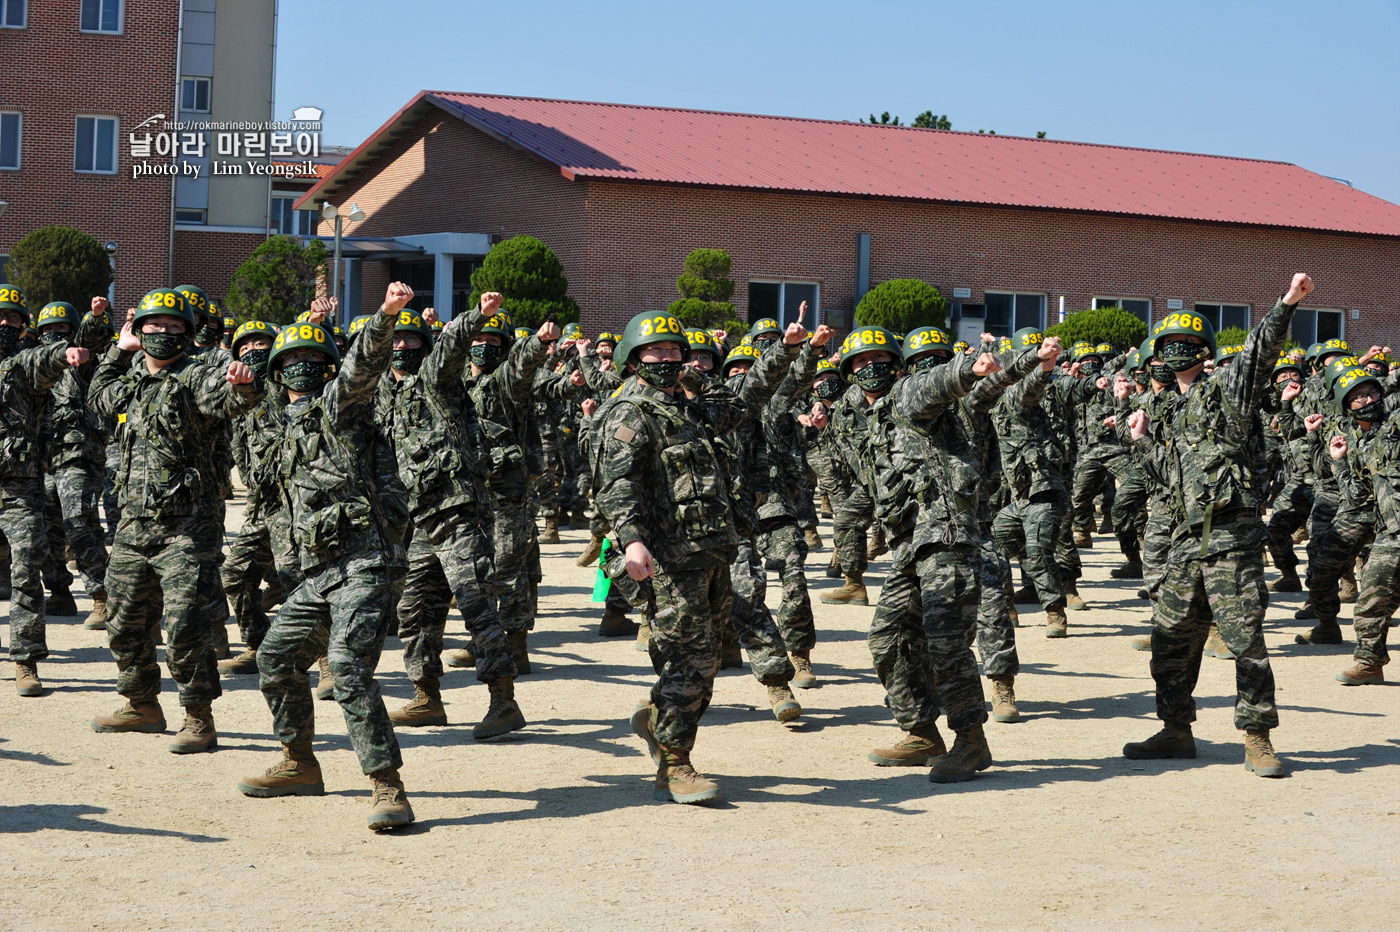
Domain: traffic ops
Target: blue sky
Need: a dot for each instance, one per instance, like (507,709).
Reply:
(1317,84)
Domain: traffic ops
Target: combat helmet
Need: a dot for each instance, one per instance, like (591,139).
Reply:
(865,340)
(650,327)
(749,354)
(925,344)
(57,312)
(303,336)
(701,342)
(12,299)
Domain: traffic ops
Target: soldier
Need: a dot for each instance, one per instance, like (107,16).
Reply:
(325,474)
(25,378)
(226,341)
(168,543)
(1216,560)
(1294,501)
(663,491)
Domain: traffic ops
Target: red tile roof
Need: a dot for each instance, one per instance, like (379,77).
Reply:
(699,147)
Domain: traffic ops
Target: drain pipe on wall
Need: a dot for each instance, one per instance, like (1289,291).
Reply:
(179,53)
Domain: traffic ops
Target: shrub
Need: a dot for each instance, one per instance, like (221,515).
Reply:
(705,289)
(901,305)
(530,277)
(1101,325)
(1231,336)
(278,281)
(59,264)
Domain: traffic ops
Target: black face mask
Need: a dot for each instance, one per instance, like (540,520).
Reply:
(830,389)
(1091,366)
(9,337)
(408,360)
(1373,413)
(305,376)
(1181,355)
(486,355)
(207,335)
(49,338)
(1281,386)
(163,345)
(1379,371)
(926,363)
(660,374)
(762,343)
(876,377)
(1141,378)
(256,359)
(1162,373)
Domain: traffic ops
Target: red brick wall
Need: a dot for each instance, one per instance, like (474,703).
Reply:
(210,259)
(53,72)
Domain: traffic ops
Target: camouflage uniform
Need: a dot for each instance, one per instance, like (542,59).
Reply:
(250,556)
(1157,533)
(552,392)
(1294,503)
(1369,479)
(853,511)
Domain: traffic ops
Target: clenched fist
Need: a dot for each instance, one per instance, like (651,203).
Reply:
(396,298)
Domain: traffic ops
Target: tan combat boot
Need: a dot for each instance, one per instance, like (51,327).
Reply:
(677,781)
(219,635)
(144,716)
(813,537)
(97,618)
(730,656)
(643,723)
(246,662)
(852,593)
(27,679)
(1173,742)
(60,603)
(1287,582)
(296,774)
(920,748)
(877,546)
(803,678)
(826,506)
(1259,756)
(389,808)
(590,556)
(461,658)
(1004,708)
(1324,632)
(325,684)
(520,651)
(1142,642)
(785,706)
(1216,646)
(969,755)
(425,708)
(197,734)
(1013,614)
(1346,592)
(503,715)
(833,566)
(616,624)
(1082,539)
(1073,602)
(1362,673)
(551,531)
(1301,535)
(1056,624)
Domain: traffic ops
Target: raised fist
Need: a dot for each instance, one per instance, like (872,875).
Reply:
(76,355)
(1137,424)
(1337,448)
(396,297)
(1292,390)
(548,332)
(239,374)
(491,303)
(430,315)
(1299,288)
(576,378)
(986,364)
(99,306)
(589,406)
(1312,422)
(822,335)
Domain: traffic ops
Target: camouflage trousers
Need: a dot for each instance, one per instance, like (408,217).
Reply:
(753,623)
(996,635)
(514,542)
(851,518)
(1335,553)
(921,638)
(22,521)
(1093,474)
(1130,511)
(53,558)
(1292,507)
(1066,553)
(1377,597)
(1230,587)
(451,555)
(782,545)
(76,492)
(1032,529)
(111,509)
(250,562)
(806,505)
(1156,545)
(341,611)
(690,601)
(164,568)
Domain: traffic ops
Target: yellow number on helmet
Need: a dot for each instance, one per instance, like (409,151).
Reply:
(645,327)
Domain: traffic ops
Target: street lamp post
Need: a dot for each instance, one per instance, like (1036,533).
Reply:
(329,212)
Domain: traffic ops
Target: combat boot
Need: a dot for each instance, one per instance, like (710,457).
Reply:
(1026,595)
(1259,756)
(580,519)
(677,781)
(826,506)
(246,662)
(197,734)
(27,679)
(1287,582)
(803,678)
(220,638)
(644,635)
(730,658)
(325,683)
(1300,536)
(425,708)
(296,774)
(1363,673)
(1082,539)
(1073,603)
(1056,625)
(97,618)
(462,658)
(1142,642)
(520,651)
(969,755)
(6,591)
(920,748)
(137,715)
(271,598)
(616,624)
(1307,612)
(503,715)
(1346,592)
(551,531)
(852,593)
(833,566)
(1216,646)
(1130,570)
(389,808)
(643,723)
(1173,742)
(60,603)
(785,707)
(1324,632)
(814,538)
(876,546)
(1106,525)
(1013,614)
(590,556)
(1004,708)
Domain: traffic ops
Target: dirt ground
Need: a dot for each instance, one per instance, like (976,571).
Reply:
(555,827)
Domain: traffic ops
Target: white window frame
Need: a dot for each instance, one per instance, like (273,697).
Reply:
(1117,302)
(19,141)
(116,135)
(23,17)
(1341,315)
(208,94)
(1044,304)
(121,19)
(782,283)
(1248,309)
(297,215)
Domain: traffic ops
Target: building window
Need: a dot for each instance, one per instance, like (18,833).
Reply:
(1007,313)
(9,140)
(194,95)
(1315,325)
(12,14)
(4,261)
(190,216)
(1138,307)
(288,221)
(95,149)
(101,16)
(1225,316)
(781,301)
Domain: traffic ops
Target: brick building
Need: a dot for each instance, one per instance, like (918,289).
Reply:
(1010,229)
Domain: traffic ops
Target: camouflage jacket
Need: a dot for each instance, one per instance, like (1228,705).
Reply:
(1033,460)
(785,438)
(254,436)
(849,424)
(25,379)
(1160,408)
(743,450)
(1369,475)
(502,399)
